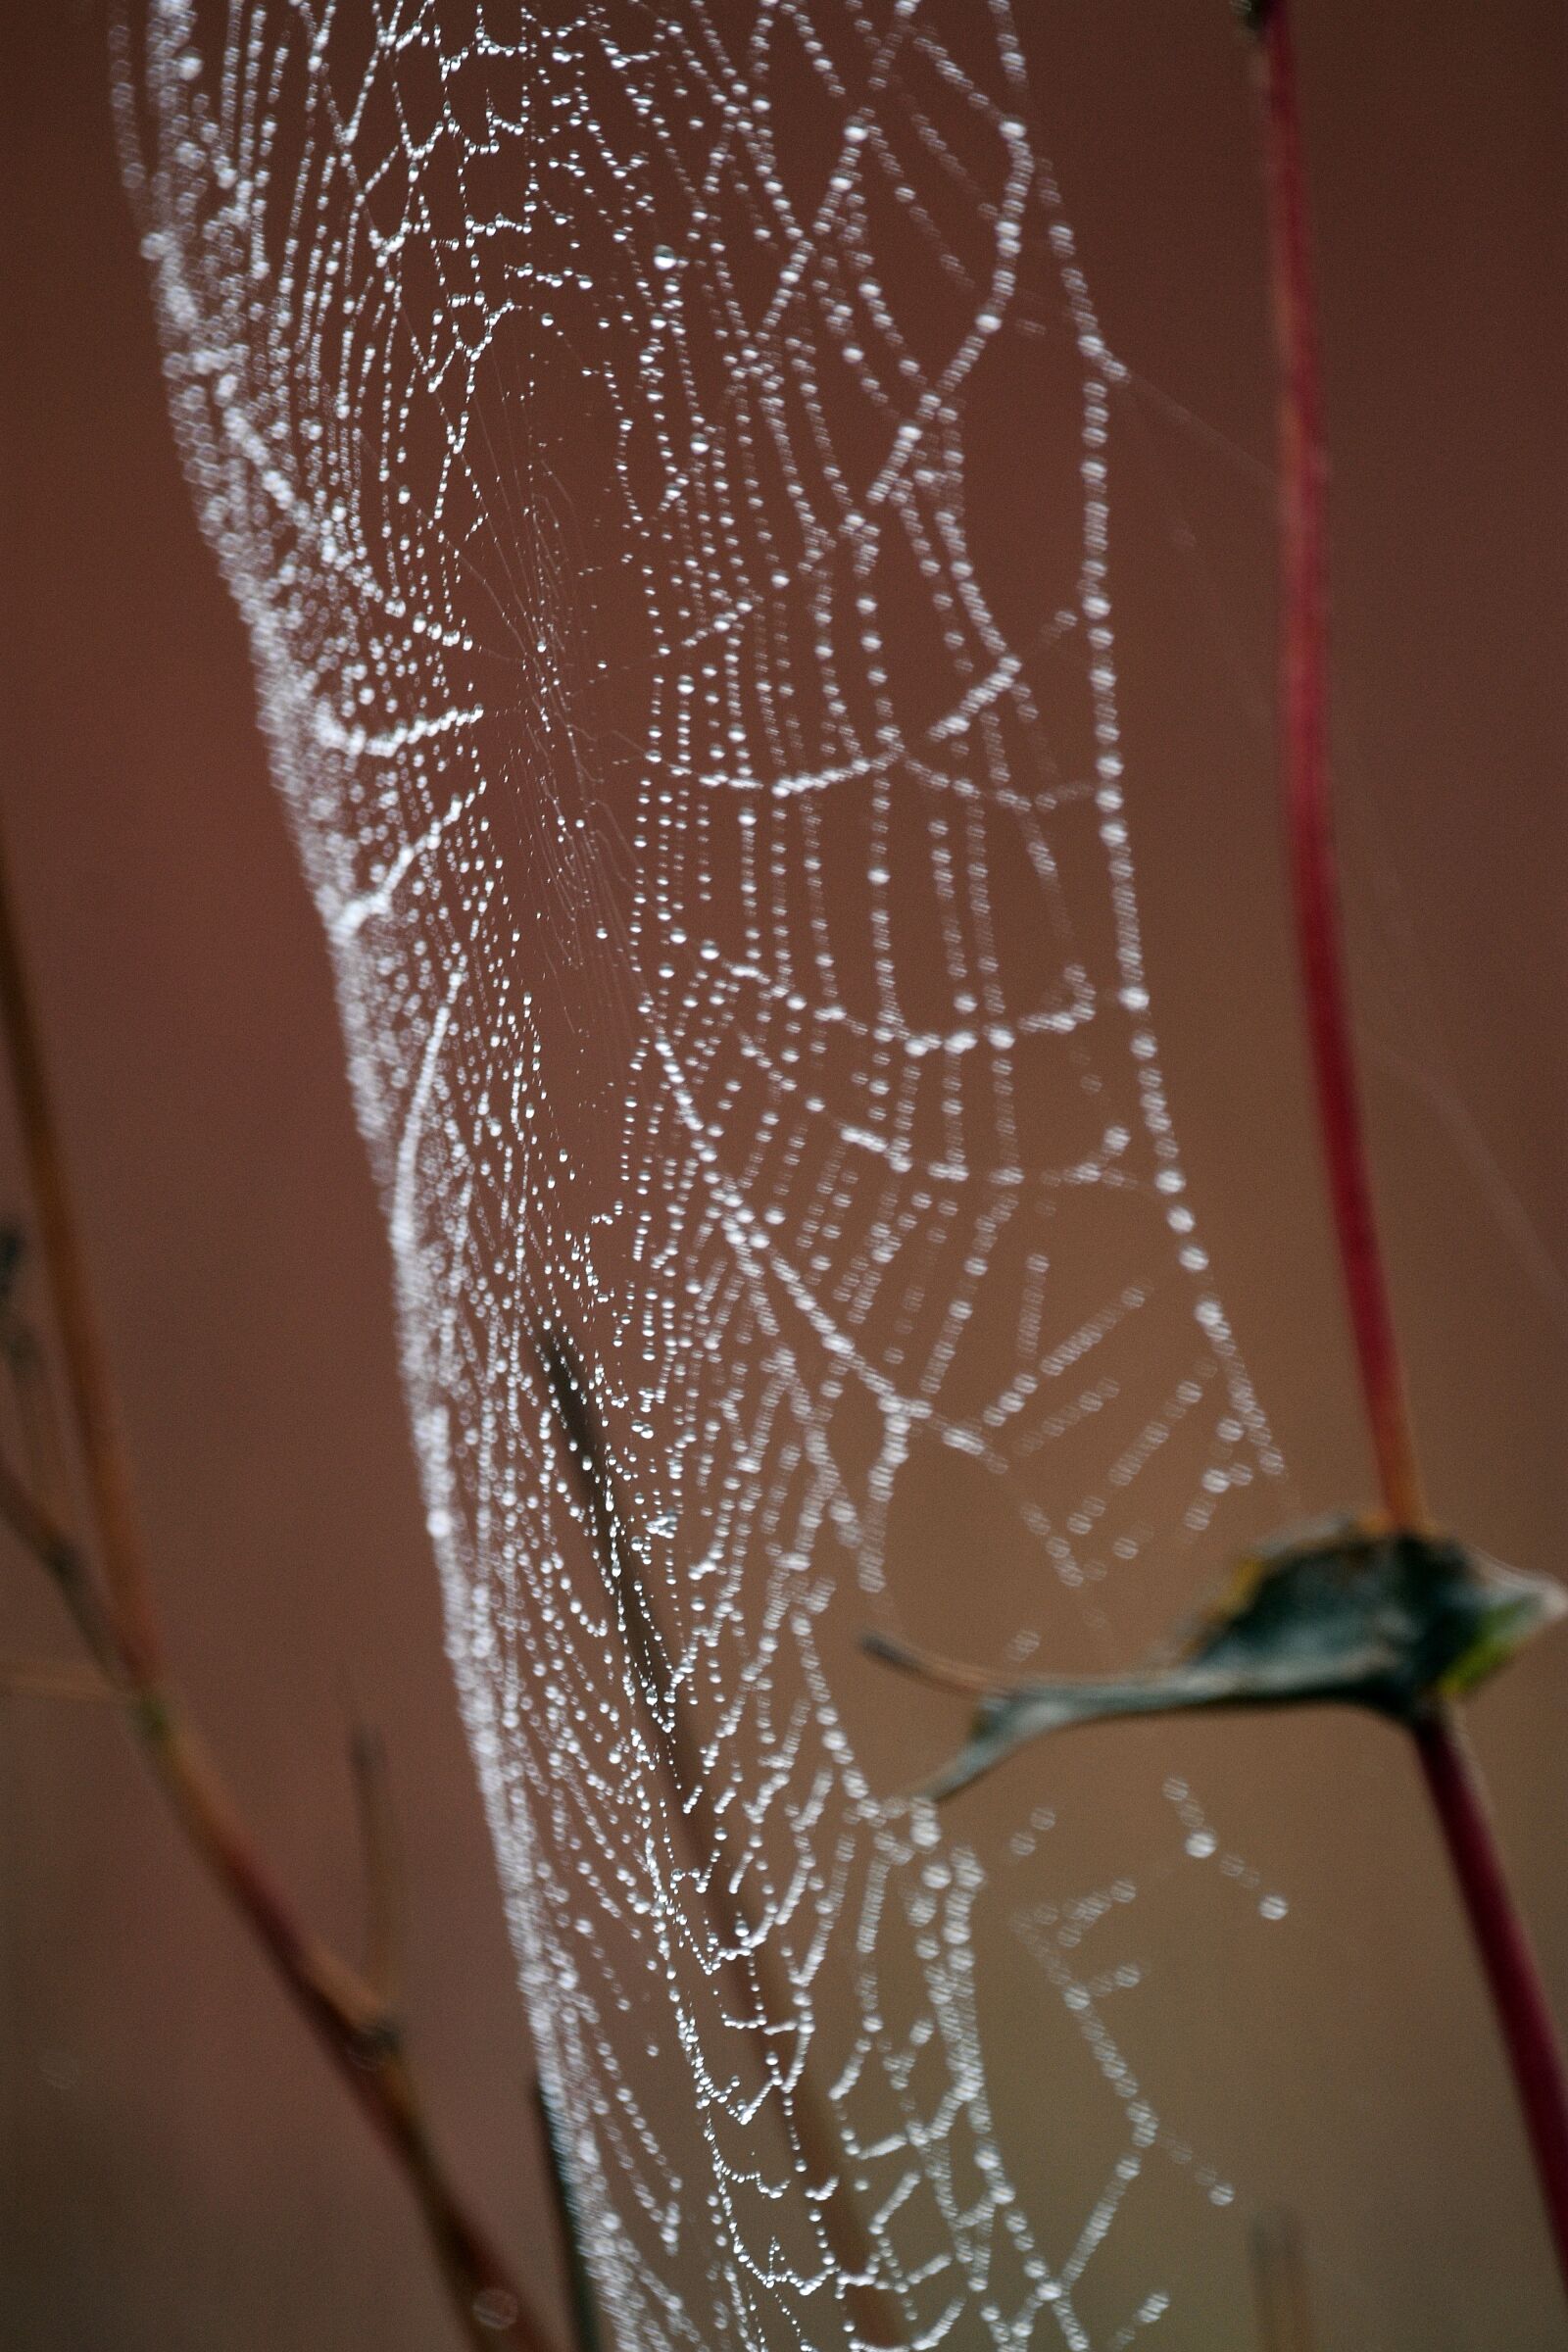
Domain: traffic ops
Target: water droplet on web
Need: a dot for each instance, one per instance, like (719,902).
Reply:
(733,901)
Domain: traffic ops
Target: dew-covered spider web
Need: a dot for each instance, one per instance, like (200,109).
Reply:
(663,458)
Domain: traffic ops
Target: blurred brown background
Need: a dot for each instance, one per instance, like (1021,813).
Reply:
(174,2167)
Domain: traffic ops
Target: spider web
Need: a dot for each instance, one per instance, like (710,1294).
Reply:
(661,458)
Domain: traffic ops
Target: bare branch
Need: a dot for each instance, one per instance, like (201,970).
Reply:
(53,1677)
(383,1960)
(941,1673)
(118,1622)
(1279,2283)
(43,1451)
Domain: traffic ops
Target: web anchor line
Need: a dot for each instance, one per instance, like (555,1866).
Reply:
(1381,1612)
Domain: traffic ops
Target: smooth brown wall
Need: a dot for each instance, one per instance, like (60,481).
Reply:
(175,2168)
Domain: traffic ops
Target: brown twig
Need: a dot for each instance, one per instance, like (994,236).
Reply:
(1279,2283)
(383,1907)
(103,1452)
(118,1622)
(43,1455)
(872,2306)
(54,1678)
(1452,1780)
(936,1672)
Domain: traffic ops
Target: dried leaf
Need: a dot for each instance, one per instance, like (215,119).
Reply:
(1349,1612)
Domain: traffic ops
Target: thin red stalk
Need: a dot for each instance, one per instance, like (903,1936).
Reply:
(1460,1799)
(1309,816)
(1452,1779)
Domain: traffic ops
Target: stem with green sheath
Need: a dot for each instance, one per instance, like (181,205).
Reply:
(1452,1780)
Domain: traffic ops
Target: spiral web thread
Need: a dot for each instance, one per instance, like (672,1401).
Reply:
(661,458)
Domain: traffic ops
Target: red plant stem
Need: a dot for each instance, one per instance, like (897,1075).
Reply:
(1452,1779)
(1459,1798)
(1309,816)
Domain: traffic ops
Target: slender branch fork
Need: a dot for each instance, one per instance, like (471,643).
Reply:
(110,1600)
(1452,1778)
